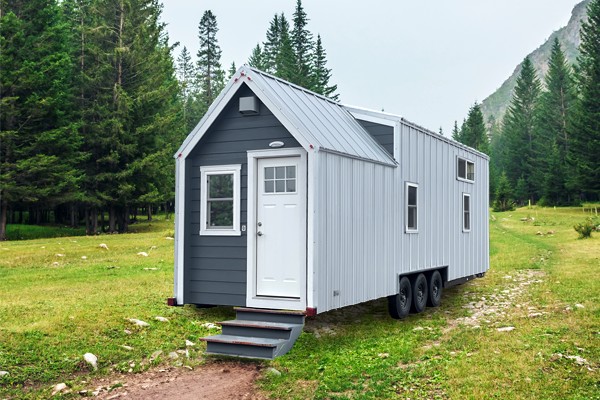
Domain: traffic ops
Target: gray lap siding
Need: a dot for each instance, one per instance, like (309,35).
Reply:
(215,266)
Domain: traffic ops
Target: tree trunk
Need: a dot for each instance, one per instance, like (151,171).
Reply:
(73,210)
(3,211)
(87,221)
(94,220)
(149,211)
(112,220)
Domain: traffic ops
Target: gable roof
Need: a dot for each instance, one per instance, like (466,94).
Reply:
(314,120)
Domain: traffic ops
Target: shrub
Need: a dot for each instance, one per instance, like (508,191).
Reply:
(586,228)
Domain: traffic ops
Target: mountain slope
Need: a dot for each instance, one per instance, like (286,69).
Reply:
(496,104)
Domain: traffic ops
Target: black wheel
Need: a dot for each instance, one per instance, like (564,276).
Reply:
(420,293)
(435,289)
(399,304)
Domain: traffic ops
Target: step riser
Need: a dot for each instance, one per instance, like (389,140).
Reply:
(241,350)
(256,316)
(255,332)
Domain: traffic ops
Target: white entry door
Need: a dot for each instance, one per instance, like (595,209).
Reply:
(280,227)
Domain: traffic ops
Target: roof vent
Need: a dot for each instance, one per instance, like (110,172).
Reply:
(249,105)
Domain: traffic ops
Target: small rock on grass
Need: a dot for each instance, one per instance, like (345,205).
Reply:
(189,343)
(126,347)
(155,355)
(506,329)
(579,305)
(91,359)
(103,246)
(143,254)
(210,325)
(161,319)
(273,371)
(138,322)
(4,373)
(59,388)
(173,355)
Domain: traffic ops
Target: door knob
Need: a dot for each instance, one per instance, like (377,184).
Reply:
(259,233)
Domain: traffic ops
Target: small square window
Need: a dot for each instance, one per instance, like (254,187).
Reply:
(465,169)
(280,179)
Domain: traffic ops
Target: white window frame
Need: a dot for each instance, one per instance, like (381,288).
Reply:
(408,229)
(205,171)
(465,211)
(467,163)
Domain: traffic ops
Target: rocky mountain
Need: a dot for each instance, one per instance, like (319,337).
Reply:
(496,104)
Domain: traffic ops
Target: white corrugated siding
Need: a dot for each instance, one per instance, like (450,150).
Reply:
(360,219)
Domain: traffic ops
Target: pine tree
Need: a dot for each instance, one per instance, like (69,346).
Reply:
(190,104)
(302,44)
(285,64)
(554,189)
(322,74)
(256,59)
(210,74)
(519,130)
(503,200)
(232,70)
(473,132)
(39,142)
(522,191)
(552,130)
(456,132)
(584,149)
(130,119)
(271,46)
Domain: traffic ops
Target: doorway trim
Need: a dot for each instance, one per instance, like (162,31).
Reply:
(252,300)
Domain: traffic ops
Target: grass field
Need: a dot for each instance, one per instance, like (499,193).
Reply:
(544,282)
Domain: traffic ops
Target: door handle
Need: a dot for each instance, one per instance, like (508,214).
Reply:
(259,233)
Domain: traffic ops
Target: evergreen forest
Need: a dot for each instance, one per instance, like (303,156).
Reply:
(94,102)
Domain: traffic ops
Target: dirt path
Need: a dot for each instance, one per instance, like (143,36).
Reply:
(213,381)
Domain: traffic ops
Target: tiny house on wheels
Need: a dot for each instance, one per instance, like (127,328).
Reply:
(290,204)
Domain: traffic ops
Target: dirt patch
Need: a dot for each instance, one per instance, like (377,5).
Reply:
(218,380)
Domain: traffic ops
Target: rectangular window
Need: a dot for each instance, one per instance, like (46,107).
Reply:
(220,200)
(411,207)
(465,169)
(466,212)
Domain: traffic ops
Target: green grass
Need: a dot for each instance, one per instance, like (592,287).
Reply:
(55,306)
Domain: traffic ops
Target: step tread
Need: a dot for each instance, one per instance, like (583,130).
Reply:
(281,326)
(269,311)
(244,340)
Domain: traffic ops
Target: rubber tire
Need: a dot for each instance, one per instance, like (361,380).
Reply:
(436,285)
(420,293)
(399,304)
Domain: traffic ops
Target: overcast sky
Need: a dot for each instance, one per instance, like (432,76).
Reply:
(427,61)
